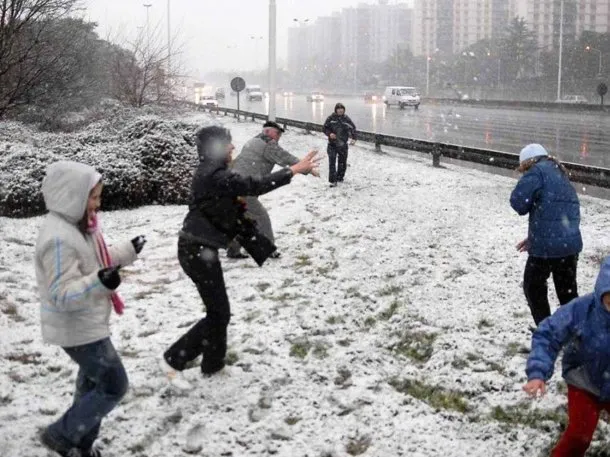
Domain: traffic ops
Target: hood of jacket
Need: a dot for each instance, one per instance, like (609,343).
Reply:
(602,286)
(66,188)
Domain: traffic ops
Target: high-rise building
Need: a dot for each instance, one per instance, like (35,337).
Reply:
(449,26)
(593,15)
(351,39)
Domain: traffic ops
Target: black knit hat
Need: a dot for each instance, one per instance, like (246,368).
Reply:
(275,125)
(339,106)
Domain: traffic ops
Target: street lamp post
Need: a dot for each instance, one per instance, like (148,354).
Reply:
(560,53)
(256,40)
(428,75)
(589,48)
(272,63)
(147,6)
(169,43)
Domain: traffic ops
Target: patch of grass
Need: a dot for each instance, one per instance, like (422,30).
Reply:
(249,298)
(26,359)
(472,357)
(300,349)
(388,313)
(358,445)
(287,282)
(520,314)
(435,396)
(303,260)
(327,268)
(231,358)
(523,414)
(459,364)
(320,351)
(263,286)
(292,420)
(389,290)
(252,315)
(418,346)
(303,230)
(484,323)
(515,348)
(345,342)
(456,273)
(370,321)
(332,320)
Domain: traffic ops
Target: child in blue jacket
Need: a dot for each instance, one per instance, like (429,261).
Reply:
(553,241)
(582,329)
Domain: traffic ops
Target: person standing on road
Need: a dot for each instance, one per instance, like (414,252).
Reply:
(339,128)
(257,159)
(554,241)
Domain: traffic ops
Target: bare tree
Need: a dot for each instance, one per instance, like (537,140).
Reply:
(140,71)
(27,61)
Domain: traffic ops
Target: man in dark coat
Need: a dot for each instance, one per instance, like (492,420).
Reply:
(216,216)
(339,128)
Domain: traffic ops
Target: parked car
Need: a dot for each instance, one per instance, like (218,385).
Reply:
(220,93)
(371,97)
(315,97)
(401,96)
(208,100)
(254,93)
(575,99)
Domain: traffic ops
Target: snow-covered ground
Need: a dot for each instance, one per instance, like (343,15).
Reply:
(393,324)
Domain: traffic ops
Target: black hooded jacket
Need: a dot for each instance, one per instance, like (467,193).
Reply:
(342,126)
(216,214)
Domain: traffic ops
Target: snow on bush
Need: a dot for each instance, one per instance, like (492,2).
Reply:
(144,159)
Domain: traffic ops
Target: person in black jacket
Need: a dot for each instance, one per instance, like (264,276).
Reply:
(339,128)
(217,215)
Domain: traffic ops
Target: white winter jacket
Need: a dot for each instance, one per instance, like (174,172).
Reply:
(75,306)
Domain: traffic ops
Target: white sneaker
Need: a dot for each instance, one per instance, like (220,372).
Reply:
(175,377)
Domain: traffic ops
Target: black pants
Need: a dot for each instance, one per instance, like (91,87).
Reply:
(537,271)
(337,173)
(209,335)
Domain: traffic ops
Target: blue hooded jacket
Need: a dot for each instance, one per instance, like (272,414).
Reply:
(546,193)
(583,326)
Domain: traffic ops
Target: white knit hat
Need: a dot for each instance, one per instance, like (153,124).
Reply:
(531,151)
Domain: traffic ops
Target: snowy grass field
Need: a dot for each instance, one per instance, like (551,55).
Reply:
(393,324)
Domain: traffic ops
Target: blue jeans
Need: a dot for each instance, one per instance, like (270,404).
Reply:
(101,383)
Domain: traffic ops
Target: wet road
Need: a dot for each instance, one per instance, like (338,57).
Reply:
(574,137)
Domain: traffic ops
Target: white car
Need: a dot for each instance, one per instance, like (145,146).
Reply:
(401,96)
(208,100)
(253,93)
(315,97)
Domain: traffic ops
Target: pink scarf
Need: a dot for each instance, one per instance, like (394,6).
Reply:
(104,257)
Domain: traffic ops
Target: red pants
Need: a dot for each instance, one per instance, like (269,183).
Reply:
(583,414)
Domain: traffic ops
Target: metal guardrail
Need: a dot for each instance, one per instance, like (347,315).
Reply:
(585,174)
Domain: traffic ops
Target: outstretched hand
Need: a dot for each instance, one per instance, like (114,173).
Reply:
(308,164)
(534,387)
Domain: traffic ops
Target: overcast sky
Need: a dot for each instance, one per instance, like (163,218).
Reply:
(215,33)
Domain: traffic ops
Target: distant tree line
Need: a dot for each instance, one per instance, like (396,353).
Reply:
(52,62)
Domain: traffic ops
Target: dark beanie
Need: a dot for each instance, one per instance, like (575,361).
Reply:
(339,106)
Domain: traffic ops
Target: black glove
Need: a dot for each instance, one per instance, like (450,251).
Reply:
(110,277)
(138,243)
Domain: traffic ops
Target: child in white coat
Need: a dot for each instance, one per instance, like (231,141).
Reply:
(77,275)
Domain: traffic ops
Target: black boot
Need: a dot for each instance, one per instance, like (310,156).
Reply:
(50,442)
